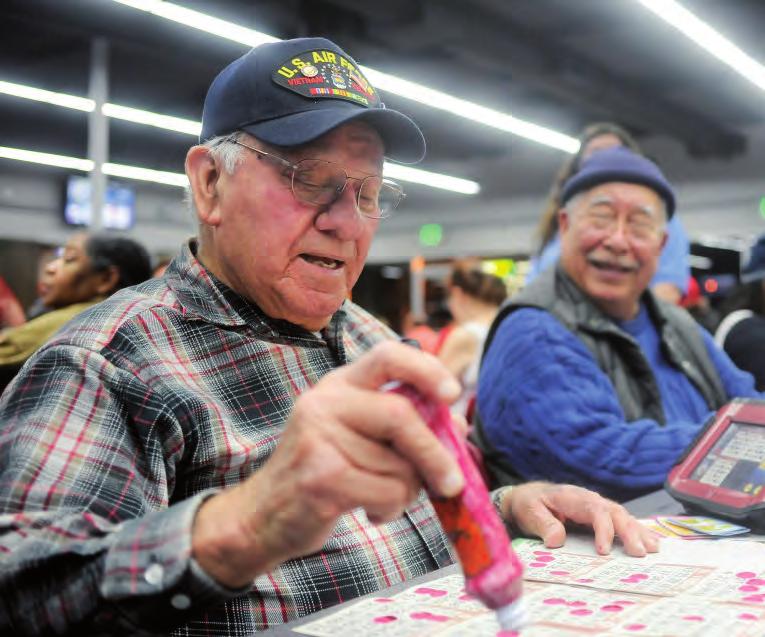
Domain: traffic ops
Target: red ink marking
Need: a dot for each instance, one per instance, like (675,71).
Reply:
(385,619)
(466,597)
(537,565)
(430,617)
(746,588)
(545,558)
(580,611)
(585,580)
(635,627)
(693,618)
(746,575)
(747,616)
(542,553)
(508,633)
(756,581)
(639,576)
(562,573)
(433,592)
(754,598)
(611,608)
(552,601)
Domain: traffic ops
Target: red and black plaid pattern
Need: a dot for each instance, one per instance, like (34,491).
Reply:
(114,433)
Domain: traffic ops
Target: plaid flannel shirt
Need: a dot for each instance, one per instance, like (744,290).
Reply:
(116,431)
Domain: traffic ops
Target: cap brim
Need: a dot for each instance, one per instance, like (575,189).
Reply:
(401,137)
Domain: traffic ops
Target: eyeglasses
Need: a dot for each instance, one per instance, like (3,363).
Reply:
(321,182)
(638,226)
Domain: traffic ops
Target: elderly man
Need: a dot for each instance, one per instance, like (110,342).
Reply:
(588,377)
(210,452)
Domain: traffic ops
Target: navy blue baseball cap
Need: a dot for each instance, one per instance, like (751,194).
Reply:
(619,164)
(291,92)
(754,270)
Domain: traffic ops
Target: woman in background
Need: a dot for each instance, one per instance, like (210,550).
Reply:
(89,268)
(474,298)
(671,279)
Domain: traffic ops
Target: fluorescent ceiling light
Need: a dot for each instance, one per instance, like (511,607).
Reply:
(707,38)
(47,159)
(434,180)
(148,118)
(146,174)
(190,127)
(390,83)
(86,165)
(49,97)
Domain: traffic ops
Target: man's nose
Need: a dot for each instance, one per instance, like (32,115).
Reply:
(618,237)
(342,216)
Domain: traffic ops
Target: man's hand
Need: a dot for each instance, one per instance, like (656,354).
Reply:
(346,445)
(541,508)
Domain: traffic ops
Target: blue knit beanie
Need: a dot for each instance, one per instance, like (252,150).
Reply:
(619,164)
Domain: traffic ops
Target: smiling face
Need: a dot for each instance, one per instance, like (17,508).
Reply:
(297,261)
(611,240)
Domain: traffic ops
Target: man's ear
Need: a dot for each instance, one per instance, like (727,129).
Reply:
(203,177)
(107,280)
(564,221)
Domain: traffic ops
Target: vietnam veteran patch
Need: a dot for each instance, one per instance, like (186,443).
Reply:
(325,74)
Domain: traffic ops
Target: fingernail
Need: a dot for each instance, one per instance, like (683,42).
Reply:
(449,389)
(452,484)
(604,549)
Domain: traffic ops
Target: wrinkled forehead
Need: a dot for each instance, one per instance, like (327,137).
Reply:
(355,140)
(635,197)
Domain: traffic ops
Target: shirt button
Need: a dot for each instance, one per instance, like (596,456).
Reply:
(154,574)
(180,602)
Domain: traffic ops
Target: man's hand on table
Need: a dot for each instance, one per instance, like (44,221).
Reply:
(541,509)
(346,445)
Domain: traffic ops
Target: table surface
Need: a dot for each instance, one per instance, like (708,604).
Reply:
(657,503)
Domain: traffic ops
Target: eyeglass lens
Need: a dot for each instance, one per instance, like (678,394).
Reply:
(322,182)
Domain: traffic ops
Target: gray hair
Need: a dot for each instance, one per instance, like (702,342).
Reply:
(225,150)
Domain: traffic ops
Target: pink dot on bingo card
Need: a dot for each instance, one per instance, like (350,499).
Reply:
(639,576)
(466,597)
(541,552)
(508,633)
(754,598)
(383,600)
(558,572)
(635,627)
(385,619)
(693,618)
(585,580)
(746,588)
(611,608)
(537,565)
(433,592)
(747,616)
(580,611)
(755,581)
(746,575)
(554,600)
(629,580)
(577,602)
(545,558)
(430,616)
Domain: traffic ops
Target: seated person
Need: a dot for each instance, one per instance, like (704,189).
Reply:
(209,452)
(588,377)
(89,268)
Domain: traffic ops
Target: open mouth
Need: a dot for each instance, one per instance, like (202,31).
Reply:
(322,262)
(606,266)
